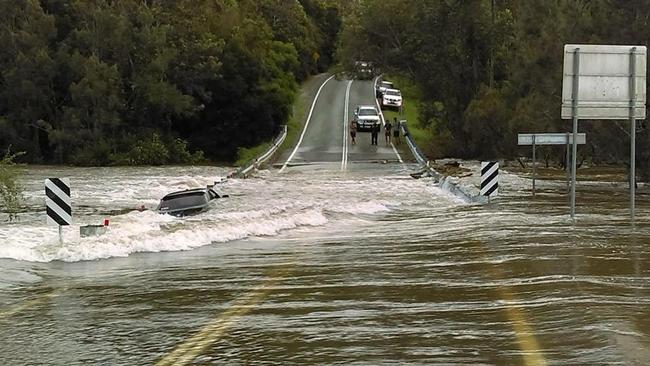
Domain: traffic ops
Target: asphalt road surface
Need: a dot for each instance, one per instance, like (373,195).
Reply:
(326,138)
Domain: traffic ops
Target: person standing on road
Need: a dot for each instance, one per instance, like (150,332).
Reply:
(396,132)
(353,131)
(374,134)
(388,130)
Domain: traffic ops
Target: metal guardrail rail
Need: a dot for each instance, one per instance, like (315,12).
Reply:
(444,181)
(255,163)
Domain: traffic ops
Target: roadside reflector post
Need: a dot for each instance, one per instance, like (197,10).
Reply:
(58,204)
(489,179)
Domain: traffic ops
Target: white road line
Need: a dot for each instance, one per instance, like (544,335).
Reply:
(302,135)
(383,121)
(397,153)
(344,158)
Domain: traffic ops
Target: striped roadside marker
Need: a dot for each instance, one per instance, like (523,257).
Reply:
(58,204)
(489,178)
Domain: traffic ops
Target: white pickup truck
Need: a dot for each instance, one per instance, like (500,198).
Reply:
(392,99)
(382,86)
(366,117)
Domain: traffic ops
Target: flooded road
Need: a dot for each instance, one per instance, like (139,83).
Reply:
(325,264)
(326,267)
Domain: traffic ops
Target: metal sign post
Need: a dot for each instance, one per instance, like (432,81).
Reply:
(632,129)
(534,165)
(574,116)
(604,82)
(535,139)
(567,162)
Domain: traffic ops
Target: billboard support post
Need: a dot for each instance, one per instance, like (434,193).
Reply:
(567,162)
(605,82)
(574,112)
(632,129)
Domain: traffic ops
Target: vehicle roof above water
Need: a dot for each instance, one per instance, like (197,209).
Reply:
(187,192)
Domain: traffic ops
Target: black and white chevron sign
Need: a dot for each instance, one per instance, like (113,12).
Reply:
(58,203)
(489,178)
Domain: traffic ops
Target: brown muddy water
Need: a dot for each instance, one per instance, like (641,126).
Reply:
(320,267)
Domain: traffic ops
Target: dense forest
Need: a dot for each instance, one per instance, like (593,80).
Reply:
(489,69)
(98,82)
(153,82)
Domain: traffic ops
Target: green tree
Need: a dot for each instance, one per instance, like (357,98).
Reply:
(289,24)
(86,82)
(10,189)
(26,73)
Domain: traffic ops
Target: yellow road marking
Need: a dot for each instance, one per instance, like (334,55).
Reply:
(187,351)
(524,333)
(26,305)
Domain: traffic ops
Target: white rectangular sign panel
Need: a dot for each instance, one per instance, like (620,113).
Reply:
(604,76)
(549,138)
(58,204)
(489,178)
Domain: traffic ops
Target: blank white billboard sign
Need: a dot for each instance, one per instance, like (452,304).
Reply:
(604,81)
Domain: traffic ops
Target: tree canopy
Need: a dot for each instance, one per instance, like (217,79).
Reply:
(102,82)
(489,69)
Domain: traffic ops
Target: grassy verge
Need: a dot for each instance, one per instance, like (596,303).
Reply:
(246,155)
(410,113)
(294,124)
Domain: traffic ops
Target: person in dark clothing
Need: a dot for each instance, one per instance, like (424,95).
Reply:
(388,130)
(374,134)
(353,131)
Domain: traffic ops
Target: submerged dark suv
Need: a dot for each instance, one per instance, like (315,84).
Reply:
(188,202)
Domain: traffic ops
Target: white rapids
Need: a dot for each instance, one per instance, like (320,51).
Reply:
(263,206)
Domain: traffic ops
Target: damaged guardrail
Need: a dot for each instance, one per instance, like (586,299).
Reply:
(445,182)
(255,163)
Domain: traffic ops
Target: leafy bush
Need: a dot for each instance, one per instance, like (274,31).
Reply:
(10,190)
(246,156)
(154,150)
(179,153)
(151,151)
(96,154)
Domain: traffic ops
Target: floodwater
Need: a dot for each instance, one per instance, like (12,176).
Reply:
(321,266)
